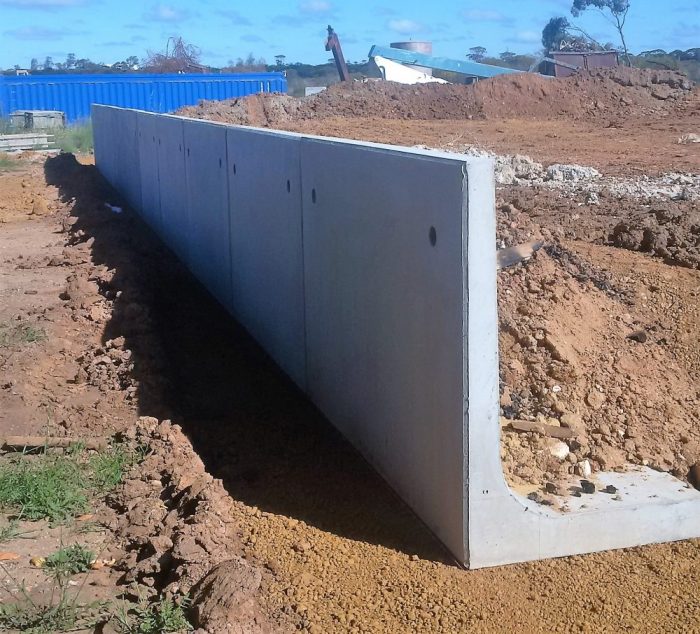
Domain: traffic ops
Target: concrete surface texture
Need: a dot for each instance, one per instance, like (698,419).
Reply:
(265,206)
(368,273)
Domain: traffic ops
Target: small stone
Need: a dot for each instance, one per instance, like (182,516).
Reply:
(587,486)
(572,421)
(610,489)
(592,198)
(554,489)
(558,449)
(694,475)
(595,399)
(583,468)
(638,335)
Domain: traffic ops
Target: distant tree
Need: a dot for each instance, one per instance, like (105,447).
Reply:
(48,63)
(179,57)
(477,53)
(70,61)
(248,65)
(556,30)
(507,57)
(559,35)
(34,64)
(132,62)
(617,10)
(280,60)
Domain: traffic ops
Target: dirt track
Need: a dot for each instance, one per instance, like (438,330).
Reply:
(340,553)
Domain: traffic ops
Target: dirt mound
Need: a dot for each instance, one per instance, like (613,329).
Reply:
(666,232)
(590,94)
(224,600)
(260,110)
(176,524)
(582,350)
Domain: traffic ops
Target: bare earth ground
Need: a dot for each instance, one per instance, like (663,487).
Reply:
(335,558)
(625,148)
(317,541)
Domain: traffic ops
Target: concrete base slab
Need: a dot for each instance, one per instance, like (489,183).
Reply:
(369,273)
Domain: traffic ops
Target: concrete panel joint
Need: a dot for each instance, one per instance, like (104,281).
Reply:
(376,294)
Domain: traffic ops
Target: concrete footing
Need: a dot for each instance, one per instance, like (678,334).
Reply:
(368,272)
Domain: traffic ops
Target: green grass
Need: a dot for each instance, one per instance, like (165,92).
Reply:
(108,468)
(59,487)
(64,616)
(76,139)
(68,561)
(54,487)
(161,617)
(13,334)
(8,164)
(12,531)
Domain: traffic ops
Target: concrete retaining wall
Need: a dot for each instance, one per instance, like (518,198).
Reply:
(368,273)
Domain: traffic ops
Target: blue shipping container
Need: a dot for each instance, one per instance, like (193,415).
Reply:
(74,94)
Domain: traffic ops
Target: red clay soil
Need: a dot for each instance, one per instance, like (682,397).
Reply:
(623,92)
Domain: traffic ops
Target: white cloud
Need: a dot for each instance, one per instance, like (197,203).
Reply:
(405,27)
(315,6)
(166,13)
(527,37)
(235,17)
(38,33)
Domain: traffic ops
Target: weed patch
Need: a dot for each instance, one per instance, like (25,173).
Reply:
(155,618)
(12,531)
(8,164)
(20,333)
(76,139)
(45,486)
(68,561)
(40,619)
(108,468)
(59,487)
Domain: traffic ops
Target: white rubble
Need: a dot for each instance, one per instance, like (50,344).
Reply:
(575,179)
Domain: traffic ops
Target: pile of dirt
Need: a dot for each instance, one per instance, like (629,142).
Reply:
(261,110)
(585,95)
(666,232)
(667,229)
(24,195)
(176,525)
(581,349)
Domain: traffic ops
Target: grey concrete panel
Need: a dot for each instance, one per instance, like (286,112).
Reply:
(148,165)
(384,315)
(105,132)
(170,138)
(208,208)
(266,243)
(129,174)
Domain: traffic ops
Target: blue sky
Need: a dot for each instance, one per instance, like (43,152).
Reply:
(109,31)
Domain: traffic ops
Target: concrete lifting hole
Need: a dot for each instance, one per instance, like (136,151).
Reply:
(393,337)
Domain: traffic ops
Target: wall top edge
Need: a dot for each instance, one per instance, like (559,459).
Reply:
(462,159)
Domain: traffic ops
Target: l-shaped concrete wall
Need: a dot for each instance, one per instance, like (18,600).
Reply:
(368,273)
